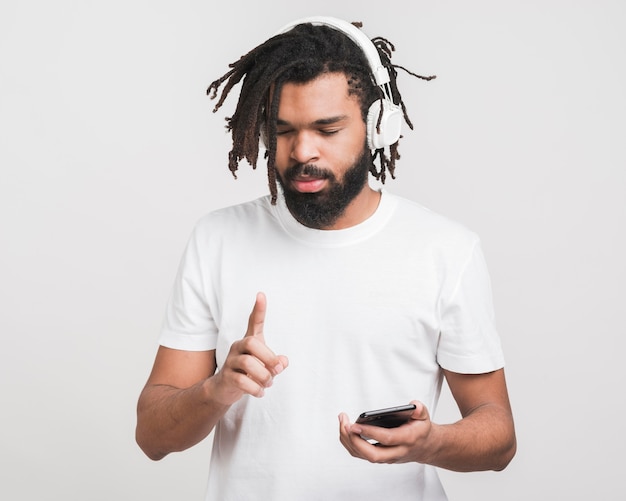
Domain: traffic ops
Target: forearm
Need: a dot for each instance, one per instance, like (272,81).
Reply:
(171,419)
(483,440)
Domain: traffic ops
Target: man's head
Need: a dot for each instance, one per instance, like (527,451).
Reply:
(322,159)
(296,57)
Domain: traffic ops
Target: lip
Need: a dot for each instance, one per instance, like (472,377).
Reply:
(308,184)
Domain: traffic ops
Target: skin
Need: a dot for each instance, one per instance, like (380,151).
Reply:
(184,397)
(484,439)
(319,123)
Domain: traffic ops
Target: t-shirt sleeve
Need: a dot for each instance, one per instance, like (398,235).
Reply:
(469,342)
(189,324)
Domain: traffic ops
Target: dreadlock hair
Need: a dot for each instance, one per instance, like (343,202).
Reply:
(299,56)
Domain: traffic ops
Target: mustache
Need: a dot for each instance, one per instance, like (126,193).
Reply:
(307,170)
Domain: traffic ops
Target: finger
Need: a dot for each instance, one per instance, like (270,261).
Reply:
(283,363)
(344,424)
(344,433)
(351,438)
(421,412)
(256,321)
(249,385)
(351,435)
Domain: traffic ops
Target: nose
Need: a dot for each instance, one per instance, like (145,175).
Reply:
(304,148)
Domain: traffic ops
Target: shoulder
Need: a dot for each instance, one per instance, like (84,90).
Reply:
(236,216)
(236,226)
(418,221)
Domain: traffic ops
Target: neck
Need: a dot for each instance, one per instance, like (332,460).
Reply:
(360,209)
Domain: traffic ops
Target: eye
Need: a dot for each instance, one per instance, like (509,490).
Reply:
(329,132)
(282,132)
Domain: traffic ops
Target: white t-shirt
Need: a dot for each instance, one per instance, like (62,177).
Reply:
(367,316)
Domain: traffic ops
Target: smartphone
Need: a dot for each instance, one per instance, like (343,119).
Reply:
(390,417)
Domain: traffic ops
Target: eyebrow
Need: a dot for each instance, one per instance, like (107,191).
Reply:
(321,121)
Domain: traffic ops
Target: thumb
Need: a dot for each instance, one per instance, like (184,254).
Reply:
(421,412)
(256,321)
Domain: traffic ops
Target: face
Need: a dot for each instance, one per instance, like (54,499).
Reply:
(322,161)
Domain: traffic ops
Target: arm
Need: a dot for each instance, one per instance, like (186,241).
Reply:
(484,439)
(175,409)
(185,397)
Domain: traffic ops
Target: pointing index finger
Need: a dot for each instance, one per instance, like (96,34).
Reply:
(257,317)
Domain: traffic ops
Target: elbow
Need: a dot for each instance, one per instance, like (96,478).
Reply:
(154,456)
(147,445)
(508,446)
(149,450)
(146,436)
(507,455)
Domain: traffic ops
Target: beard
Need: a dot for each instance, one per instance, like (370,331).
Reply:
(321,210)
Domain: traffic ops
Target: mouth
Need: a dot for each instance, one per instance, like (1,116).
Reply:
(308,184)
(307,178)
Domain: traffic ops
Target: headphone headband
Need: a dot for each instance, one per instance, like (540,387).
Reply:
(384,118)
(381,75)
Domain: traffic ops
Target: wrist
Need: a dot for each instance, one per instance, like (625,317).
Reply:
(433,444)
(214,396)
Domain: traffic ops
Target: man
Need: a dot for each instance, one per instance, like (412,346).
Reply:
(359,300)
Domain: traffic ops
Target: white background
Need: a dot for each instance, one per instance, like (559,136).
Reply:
(109,153)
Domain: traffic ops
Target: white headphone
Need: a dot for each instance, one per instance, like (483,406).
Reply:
(390,126)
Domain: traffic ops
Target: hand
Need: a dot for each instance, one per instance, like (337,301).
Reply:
(250,366)
(408,442)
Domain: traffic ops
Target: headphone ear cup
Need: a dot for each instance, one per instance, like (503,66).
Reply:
(390,124)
